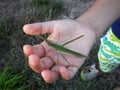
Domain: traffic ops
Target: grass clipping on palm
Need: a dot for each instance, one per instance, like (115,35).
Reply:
(62,48)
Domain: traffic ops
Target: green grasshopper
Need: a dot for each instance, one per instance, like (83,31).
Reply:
(62,48)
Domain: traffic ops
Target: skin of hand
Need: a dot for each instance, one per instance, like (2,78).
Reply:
(50,63)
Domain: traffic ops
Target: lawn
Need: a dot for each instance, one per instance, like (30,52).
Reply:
(15,73)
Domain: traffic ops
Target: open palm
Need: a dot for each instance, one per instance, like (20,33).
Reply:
(53,64)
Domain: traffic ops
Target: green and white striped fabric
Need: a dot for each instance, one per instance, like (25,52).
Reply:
(109,52)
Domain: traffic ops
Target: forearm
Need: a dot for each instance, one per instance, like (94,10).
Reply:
(101,15)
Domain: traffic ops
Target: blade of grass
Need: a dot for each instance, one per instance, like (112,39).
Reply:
(72,40)
(63,49)
(65,58)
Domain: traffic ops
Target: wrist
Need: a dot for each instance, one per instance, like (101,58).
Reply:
(90,26)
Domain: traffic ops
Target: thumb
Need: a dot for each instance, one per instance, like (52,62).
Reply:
(39,28)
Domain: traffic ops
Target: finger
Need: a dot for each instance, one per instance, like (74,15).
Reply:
(50,76)
(68,73)
(28,50)
(38,64)
(39,49)
(53,75)
(39,28)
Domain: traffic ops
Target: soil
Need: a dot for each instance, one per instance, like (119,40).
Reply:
(74,8)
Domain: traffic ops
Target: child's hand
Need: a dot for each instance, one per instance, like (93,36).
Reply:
(49,62)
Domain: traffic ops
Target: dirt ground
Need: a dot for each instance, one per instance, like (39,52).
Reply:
(74,8)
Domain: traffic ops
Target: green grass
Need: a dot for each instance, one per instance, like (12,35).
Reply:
(15,72)
(11,81)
